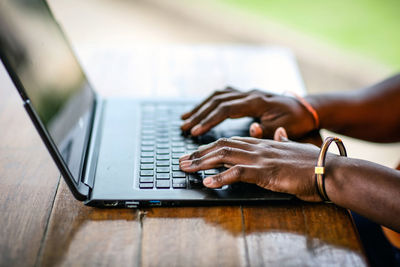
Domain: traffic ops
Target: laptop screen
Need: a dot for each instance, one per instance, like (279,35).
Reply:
(42,62)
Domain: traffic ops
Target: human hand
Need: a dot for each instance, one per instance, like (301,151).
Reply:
(272,111)
(283,166)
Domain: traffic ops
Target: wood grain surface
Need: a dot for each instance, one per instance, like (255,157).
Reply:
(84,236)
(28,181)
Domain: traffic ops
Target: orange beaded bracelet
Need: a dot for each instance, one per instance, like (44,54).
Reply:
(308,106)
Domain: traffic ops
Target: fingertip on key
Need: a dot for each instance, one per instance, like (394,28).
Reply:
(185,164)
(185,116)
(207,181)
(184,157)
(196,130)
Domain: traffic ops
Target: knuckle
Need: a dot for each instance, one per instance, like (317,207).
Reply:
(197,162)
(218,179)
(224,108)
(255,91)
(216,100)
(237,171)
(224,152)
(222,142)
(218,92)
(195,155)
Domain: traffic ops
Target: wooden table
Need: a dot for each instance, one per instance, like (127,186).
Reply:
(41,224)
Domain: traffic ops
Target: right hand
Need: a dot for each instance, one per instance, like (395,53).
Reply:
(272,110)
(283,166)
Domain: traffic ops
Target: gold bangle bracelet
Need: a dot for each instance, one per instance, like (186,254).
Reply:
(320,168)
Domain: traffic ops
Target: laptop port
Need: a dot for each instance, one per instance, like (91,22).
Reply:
(110,203)
(154,203)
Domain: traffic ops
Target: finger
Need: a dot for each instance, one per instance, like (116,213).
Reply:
(218,158)
(235,174)
(250,140)
(230,109)
(313,137)
(281,135)
(256,130)
(208,107)
(218,92)
(220,143)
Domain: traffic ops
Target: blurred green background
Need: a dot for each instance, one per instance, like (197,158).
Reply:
(370,28)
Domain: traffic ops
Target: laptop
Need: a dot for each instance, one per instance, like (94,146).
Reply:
(111,152)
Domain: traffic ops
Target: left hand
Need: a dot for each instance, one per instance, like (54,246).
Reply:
(284,166)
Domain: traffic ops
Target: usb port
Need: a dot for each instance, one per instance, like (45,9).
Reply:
(154,203)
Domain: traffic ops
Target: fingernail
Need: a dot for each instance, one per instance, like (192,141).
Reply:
(196,130)
(207,181)
(185,115)
(255,130)
(184,125)
(184,157)
(185,164)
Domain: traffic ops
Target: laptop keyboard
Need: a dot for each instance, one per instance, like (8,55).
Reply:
(162,144)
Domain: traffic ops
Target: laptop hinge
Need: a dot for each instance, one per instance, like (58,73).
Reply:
(93,145)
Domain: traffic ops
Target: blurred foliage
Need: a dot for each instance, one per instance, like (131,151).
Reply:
(370,28)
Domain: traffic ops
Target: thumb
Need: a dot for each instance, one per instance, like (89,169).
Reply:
(256,130)
(281,135)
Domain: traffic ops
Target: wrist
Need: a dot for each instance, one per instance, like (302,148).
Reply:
(315,103)
(335,184)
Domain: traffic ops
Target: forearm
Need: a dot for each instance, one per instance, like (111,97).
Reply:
(371,114)
(367,188)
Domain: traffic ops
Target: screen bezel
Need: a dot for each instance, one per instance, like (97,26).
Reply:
(79,189)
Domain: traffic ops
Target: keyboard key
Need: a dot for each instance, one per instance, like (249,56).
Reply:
(195,180)
(176,132)
(175,168)
(162,151)
(177,138)
(162,183)
(146,179)
(147,154)
(147,148)
(179,183)
(178,174)
(146,185)
(163,169)
(148,132)
(163,163)
(162,135)
(146,166)
(147,143)
(147,160)
(211,171)
(162,128)
(192,146)
(178,149)
(162,176)
(177,144)
(147,173)
(163,145)
(177,155)
(148,137)
(162,140)
(162,157)
(175,161)
(177,123)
